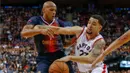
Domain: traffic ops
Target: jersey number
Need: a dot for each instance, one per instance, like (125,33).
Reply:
(82,52)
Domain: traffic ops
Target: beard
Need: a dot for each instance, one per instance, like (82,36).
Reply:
(89,32)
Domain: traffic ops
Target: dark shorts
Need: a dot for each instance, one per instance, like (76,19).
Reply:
(45,60)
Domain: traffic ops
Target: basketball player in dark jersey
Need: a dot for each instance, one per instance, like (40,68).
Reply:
(49,46)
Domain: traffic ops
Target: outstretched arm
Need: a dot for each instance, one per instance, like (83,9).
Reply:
(117,43)
(75,30)
(28,31)
(97,49)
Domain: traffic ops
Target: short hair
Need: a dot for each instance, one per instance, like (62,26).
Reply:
(47,2)
(100,19)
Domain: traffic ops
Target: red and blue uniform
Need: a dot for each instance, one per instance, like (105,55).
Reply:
(49,49)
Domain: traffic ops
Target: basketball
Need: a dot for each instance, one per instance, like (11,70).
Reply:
(59,67)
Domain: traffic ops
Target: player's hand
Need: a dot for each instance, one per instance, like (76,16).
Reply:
(64,59)
(54,29)
(48,31)
(92,66)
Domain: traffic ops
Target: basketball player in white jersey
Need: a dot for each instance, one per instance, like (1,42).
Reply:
(117,43)
(89,44)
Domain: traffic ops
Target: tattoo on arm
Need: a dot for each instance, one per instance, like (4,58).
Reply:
(98,47)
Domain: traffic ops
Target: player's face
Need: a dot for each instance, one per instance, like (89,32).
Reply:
(50,12)
(93,26)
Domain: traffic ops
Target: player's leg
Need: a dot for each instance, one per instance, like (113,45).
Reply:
(43,65)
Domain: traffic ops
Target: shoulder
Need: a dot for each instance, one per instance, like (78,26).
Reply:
(100,42)
(34,20)
(60,22)
(99,38)
(98,48)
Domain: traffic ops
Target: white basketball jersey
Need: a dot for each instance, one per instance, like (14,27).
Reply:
(84,47)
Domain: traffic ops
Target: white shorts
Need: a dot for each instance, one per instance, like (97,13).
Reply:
(100,69)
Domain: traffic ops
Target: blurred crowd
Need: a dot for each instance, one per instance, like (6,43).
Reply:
(122,71)
(18,54)
(17,61)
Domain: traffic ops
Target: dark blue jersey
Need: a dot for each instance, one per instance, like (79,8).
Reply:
(43,43)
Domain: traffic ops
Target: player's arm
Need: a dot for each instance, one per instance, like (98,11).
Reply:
(117,43)
(75,30)
(97,50)
(29,31)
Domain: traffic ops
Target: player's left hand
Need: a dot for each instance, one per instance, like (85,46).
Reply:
(64,59)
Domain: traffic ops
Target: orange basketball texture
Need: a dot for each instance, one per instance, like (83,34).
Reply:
(59,67)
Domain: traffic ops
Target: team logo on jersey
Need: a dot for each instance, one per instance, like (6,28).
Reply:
(84,49)
(30,20)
